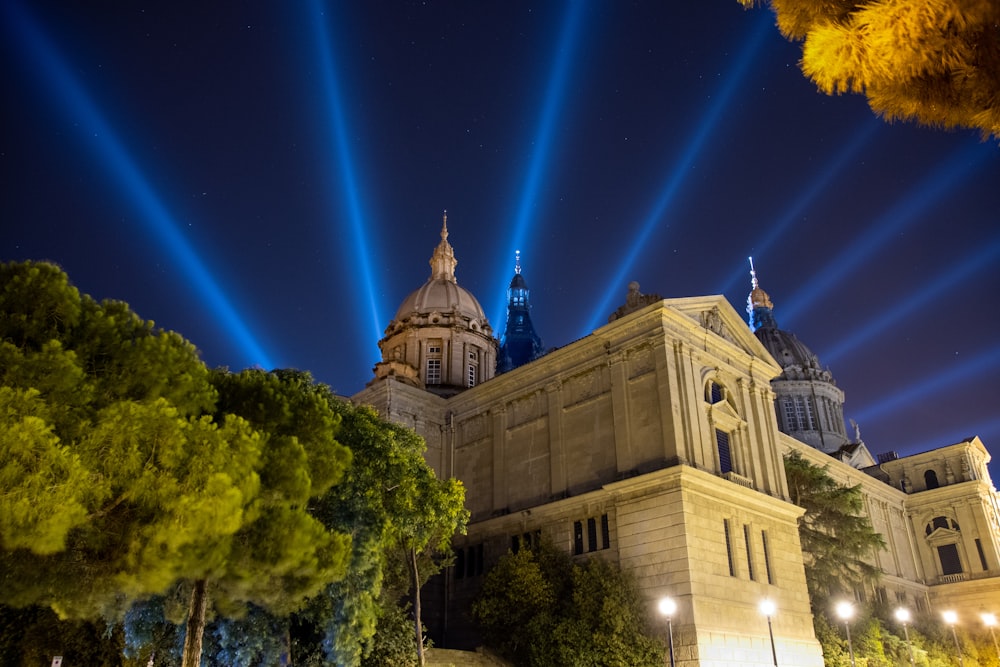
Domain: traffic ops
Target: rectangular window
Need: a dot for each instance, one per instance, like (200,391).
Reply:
(433,371)
(950,562)
(982,556)
(605,531)
(591,535)
(577,537)
(804,413)
(791,423)
(477,560)
(767,557)
(746,538)
(729,548)
(725,458)
(472,375)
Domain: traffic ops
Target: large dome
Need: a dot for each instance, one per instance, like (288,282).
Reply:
(787,349)
(440,295)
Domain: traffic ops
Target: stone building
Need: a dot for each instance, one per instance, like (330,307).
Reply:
(655,442)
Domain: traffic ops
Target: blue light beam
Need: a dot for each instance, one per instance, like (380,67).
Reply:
(680,170)
(340,147)
(952,436)
(554,97)
(909,208)
(85,117)
(920,297)
(802,202)
(976,367)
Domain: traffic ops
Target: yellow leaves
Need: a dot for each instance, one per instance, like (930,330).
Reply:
(933,61)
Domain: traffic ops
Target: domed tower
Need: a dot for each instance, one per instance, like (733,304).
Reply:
(809,404)
(519,344)
(440,339)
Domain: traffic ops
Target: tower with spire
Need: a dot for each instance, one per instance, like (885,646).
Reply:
(519,343)
(440,339)
(808,402)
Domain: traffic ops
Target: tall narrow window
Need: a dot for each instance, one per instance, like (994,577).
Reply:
(729,547)
(982,554)
(950,562)
(577,537)
(725,459)
(591,535)
(767,557)
(606,532)
(746,538)
(791,423)
(472,375)
(433,371)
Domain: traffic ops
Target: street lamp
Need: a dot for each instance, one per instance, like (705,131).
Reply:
(990,620)
(903,616)
(845,610)
(668,607)
(767,608)
(951,618)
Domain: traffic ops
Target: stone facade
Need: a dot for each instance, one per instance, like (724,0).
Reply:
(654,442)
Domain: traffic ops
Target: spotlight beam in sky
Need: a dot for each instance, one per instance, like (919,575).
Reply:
(554,97)
(975,367)
(802,202)
(935,441)
(907,210)
(680,171)
(920,297)
(340,146)
(86,119)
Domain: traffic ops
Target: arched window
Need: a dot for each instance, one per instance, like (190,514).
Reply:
(931,480)
(715,392)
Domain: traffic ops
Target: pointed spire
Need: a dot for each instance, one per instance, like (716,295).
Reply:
(443,260)
(517,262)
(759,306)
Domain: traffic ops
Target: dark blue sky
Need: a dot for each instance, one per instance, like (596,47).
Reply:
(268,179)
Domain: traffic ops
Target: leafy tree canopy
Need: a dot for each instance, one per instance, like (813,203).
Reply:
(126,468)
(539,608)
(837,537)
(936,62)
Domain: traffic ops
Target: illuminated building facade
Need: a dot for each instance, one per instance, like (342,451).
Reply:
(654,442)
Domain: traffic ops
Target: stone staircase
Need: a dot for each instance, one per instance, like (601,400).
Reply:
(440,657)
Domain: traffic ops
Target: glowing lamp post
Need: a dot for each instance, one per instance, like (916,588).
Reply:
(990,621)
(903,616)
(668,607)
(845,610)
(951,618)
(767,608)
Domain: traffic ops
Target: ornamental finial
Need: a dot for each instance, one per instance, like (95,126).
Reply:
(517,262)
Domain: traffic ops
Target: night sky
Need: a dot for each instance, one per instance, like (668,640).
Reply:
(268,179)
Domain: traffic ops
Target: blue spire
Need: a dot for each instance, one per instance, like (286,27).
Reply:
(519,343)
(759,306)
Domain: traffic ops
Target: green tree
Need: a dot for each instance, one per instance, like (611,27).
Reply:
(936,62)
(837,537)
(388,495)
(116,482)
(540,608)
